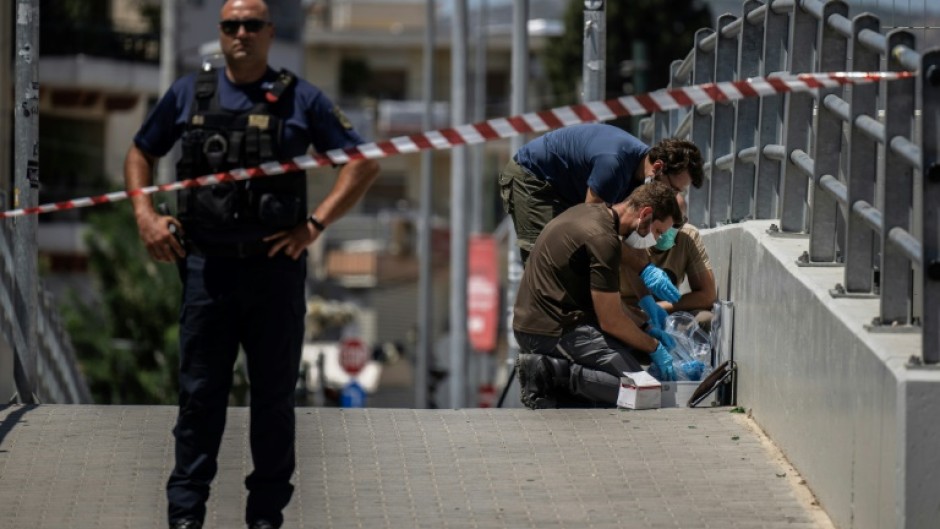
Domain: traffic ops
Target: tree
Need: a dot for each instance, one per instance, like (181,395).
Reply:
(127,344)
(664,29)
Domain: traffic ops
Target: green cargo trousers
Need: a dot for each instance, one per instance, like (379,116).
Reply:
(531,203)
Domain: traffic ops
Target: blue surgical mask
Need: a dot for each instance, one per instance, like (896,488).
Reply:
(667,240)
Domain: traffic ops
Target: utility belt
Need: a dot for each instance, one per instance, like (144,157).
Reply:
(238,250)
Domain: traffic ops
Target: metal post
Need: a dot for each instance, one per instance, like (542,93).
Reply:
(799,122)
(7,380)
(897,187)
(6,80)
(458,217)
(26,186)
(767,199)
(425,285)
(930,108)
(519,91)
(479,114)
(747,115)
(482,361)
(863,159)
(726,52)
(663,125)
(675,116)
(832,50)
(168,28)
(702,72)
(595,50)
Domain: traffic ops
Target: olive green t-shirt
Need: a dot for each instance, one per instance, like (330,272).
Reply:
(577,252)
(686,257)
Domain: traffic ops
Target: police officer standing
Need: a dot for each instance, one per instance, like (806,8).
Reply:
(239,251)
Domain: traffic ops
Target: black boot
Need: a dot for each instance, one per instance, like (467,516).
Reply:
(559,371)
(535,381)
(562,390)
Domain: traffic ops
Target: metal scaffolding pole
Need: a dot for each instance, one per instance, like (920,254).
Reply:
(26,194)
(168,28)
(425,283)
(479,364)
(458,216)
(595,47)
(479,114)
(519,91)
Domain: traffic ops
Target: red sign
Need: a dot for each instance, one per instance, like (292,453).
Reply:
(353,355)
(486,398)
(482,293)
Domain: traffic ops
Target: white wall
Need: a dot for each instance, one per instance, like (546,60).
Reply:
(838,400)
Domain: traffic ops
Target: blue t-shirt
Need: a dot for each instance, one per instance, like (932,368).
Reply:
(314,119)
(595,155)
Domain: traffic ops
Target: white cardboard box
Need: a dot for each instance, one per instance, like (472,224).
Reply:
(639,391)
(677,394)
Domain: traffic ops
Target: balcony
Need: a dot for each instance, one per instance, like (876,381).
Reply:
(62,39)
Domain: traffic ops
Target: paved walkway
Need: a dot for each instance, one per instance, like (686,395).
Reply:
(105,466)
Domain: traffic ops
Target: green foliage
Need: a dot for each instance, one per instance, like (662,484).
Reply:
(127,345)
(664,29)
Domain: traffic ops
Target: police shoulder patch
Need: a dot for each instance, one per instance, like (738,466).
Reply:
(343,120)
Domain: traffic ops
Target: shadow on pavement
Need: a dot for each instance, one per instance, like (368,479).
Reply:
(14,417)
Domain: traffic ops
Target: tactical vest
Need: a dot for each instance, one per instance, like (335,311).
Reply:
(216,140)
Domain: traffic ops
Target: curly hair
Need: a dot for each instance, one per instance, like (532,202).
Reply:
(660,197)
(679,155)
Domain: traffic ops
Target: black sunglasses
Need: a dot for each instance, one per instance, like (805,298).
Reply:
(252,25)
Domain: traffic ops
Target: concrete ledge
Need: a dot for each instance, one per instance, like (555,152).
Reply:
(839,401)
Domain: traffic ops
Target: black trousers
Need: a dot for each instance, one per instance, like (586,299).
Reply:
(597,359)
(256,303)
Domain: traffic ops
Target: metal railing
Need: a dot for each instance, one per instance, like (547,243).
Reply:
(854,168)
(57,375)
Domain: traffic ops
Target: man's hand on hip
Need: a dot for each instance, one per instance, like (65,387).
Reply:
(293,241)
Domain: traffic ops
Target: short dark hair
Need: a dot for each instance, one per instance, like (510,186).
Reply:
(660,197)
(679,155)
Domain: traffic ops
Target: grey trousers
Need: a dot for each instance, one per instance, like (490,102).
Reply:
(597,359)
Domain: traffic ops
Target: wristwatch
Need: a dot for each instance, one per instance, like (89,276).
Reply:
(312,219)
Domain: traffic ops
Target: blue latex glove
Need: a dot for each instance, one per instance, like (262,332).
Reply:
(659,284)
(664,338)
(663,362)
(656,313)
(693,370)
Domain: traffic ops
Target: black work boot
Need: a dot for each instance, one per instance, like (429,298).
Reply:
(535,381)
(559,371)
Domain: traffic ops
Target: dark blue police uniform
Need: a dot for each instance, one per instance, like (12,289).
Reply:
(233,294)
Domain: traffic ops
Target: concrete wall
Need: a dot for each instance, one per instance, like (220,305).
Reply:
(838,400)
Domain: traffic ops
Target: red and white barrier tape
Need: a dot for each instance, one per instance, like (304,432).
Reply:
(494,129)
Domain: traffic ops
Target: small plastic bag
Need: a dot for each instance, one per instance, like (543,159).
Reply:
(692,351)
(681,324)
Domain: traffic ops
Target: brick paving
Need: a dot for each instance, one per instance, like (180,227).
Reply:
(105,466)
